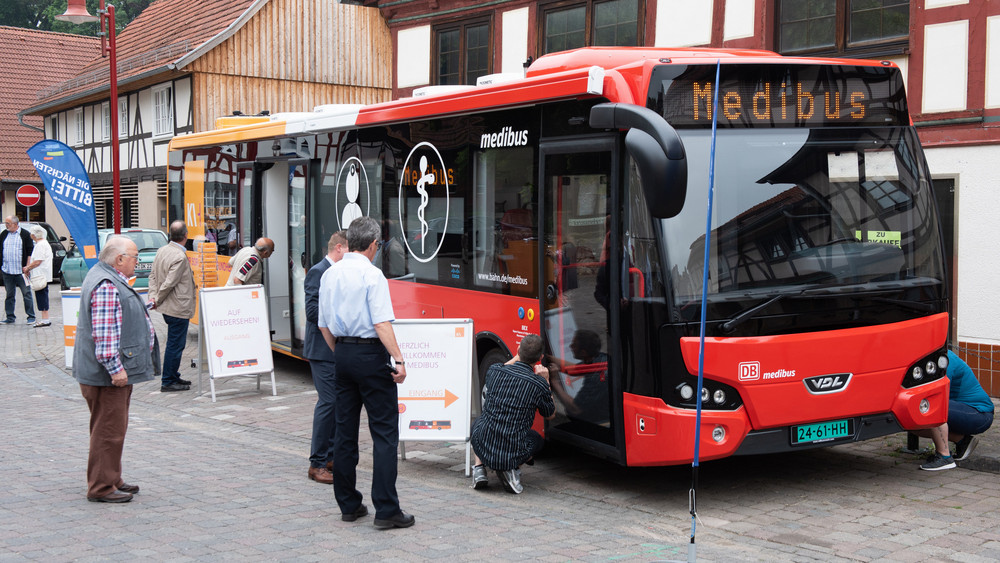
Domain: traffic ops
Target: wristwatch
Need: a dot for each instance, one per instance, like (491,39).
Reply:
(400,362)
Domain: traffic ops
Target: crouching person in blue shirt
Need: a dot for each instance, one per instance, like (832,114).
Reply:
(502,437)
(970,412)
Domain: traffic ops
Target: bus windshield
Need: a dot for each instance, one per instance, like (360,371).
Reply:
(802,212)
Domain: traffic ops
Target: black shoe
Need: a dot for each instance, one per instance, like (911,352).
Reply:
(183,382)
(361,511)
(174,387)
(115,497)
(401,520)
(130,489)
(964,447)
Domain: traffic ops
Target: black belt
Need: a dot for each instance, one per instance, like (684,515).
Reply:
(356,340)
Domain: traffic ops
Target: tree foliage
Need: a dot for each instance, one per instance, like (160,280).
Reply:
(41,14)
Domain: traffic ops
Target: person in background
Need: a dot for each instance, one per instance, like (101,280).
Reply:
(41,257)
(970,413)
(172,294)
(355,317)
(322,366)
(16,245)
(502,438)
(116,348)
(247,264)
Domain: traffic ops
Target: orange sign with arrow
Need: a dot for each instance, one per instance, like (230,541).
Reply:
(448,397)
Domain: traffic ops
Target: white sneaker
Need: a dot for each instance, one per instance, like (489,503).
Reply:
(479,478)
(511,479)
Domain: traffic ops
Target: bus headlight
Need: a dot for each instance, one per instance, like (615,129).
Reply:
(719,396)
(918,373)
(704,394)
(930,367)
(926,370)
(686,392)
(943,362)
(924,406)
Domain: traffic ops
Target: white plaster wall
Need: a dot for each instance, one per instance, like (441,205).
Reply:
(514,44)
(946,55)
(903,62)
(931,4)
(182,100)
(413,60)
(976,243)
(739,19)
(683,23)
(993,62)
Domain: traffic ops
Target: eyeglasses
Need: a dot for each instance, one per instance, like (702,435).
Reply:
(135,256)
(378,245)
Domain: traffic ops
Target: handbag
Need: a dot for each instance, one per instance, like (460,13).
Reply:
(38,281)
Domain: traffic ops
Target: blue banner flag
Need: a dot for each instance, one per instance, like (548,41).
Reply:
(68,185)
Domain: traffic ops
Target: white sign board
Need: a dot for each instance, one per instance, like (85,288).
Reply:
(237,333)
(435,400)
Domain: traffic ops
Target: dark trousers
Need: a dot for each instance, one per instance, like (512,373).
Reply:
(177,332)
(363,378)
(108,423)
(324,374)
(10,283)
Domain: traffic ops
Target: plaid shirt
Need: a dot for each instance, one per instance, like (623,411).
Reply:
(12,253)
(106,317)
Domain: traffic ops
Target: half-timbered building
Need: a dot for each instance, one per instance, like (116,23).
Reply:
(182,64)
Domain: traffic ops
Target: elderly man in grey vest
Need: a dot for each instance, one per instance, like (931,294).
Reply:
(116,347)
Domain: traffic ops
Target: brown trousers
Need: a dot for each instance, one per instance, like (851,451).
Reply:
(108,423)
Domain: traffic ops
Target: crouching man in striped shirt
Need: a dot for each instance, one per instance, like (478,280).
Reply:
(502,437)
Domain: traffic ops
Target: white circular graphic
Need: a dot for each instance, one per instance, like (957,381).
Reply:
(355,175)
(423,180)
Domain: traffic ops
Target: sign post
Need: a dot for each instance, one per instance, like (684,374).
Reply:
(236,329)
(28,196)
(435,401)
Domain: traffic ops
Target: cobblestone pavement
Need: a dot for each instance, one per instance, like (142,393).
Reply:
(227,481)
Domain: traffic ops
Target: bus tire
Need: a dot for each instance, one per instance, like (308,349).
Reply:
(492,356)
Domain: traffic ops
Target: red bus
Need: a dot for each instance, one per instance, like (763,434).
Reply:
(571,202)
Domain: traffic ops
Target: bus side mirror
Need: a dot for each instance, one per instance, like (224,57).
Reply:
(657,151)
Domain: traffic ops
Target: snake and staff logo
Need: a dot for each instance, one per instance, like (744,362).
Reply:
(350,179)
(424,201)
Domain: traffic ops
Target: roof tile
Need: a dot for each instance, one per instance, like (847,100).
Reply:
(29,60)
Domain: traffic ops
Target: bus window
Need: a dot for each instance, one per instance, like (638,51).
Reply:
(504,224)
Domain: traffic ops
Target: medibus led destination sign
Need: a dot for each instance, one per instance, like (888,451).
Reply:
(780,96)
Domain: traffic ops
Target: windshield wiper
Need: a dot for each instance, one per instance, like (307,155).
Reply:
(739,319)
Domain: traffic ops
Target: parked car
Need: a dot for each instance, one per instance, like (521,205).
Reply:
(55,241)
(74,268)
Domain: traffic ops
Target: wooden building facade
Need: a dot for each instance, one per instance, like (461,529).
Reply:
(182,64)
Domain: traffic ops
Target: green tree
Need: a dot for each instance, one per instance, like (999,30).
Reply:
(41,14)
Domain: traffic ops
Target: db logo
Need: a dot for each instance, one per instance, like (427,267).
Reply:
(749,371)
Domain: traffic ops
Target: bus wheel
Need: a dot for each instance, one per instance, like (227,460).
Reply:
(492,356)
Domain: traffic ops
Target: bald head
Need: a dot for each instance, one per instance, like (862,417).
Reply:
(265,246)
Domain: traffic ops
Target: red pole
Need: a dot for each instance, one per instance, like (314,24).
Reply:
(115,167)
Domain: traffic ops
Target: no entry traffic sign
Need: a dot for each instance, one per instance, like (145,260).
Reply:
(28,195)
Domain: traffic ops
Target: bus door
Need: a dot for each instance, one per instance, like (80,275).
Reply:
(283,187)
(579,180)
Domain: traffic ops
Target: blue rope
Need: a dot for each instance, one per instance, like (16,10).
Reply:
(704,306)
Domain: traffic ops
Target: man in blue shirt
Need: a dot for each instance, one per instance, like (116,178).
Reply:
(16,245)
(355,317)
(970,412)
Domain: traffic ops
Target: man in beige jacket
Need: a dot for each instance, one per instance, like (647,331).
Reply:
(172,293)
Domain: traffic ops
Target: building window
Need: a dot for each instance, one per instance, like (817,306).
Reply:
(78,129)
(163,111)
(855,27)
(106,121)
(123,117)
(463,52)
(571,25)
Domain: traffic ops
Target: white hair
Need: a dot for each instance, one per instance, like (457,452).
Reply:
(37,232)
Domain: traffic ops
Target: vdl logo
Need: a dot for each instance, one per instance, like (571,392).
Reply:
(749,371)
(424,174)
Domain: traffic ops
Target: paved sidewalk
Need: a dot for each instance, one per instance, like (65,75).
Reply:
(227,481)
